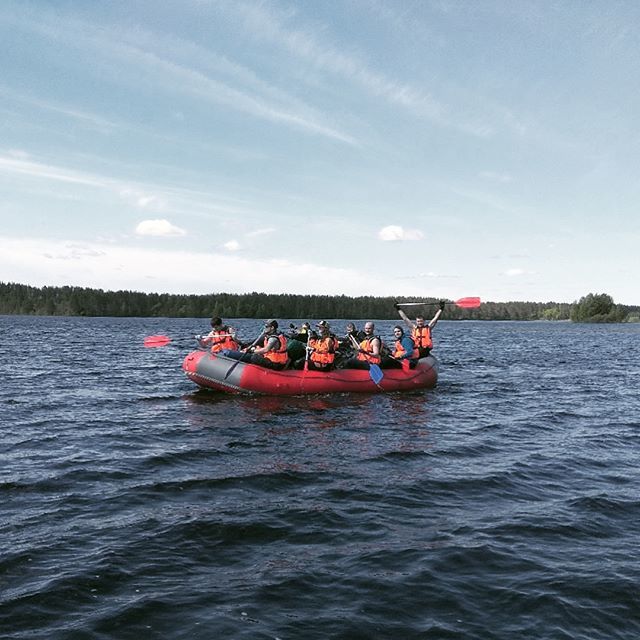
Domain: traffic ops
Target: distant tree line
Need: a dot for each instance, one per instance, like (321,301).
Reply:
(79,301)
(599,307)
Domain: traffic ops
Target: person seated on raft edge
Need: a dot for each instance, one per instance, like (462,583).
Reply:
(221,337)
(270,350)
(405,353)
(322,349)
(420,333)
(368,350)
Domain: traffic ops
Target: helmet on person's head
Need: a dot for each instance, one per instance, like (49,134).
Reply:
(271,324)
(323,324)
(216,321)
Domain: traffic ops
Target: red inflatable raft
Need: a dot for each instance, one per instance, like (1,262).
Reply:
(224,374)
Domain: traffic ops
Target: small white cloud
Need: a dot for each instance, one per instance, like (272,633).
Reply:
(514,272)
(232,245)
(162,228)
(395,233)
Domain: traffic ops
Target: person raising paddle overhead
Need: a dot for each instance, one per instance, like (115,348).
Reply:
(420,332)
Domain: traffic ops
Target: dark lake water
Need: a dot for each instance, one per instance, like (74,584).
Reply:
(504,504)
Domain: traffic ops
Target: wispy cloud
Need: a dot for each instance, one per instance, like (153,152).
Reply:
(258,100)
(90,119)
(73,251)
(147,197)
(395,233)
(271,26)
(176,77)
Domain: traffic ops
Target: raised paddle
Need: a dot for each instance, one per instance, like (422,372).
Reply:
(463,303)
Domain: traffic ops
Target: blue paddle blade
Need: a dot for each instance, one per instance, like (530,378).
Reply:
(375,373)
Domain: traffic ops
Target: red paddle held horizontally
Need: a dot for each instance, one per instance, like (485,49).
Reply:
(463,303)
(163,341)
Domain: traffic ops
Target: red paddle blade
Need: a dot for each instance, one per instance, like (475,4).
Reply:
(156,341)
(468,303)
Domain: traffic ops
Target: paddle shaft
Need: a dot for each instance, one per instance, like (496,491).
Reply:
(237,362)
(463,303)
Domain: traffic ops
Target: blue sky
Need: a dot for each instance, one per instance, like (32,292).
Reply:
(365,147)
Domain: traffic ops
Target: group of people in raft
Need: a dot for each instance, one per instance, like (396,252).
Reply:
(321,350)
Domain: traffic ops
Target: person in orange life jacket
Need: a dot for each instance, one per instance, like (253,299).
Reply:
(420,332)
(271,349)
(220,338)
(368,350)
(322,349)
(405,352)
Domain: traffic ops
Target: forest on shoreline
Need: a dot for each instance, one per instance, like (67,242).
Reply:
(20,299)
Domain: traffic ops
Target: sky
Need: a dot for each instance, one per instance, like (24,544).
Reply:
(361,147)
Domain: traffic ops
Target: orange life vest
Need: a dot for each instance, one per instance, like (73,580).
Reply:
(279,355)
(400,352)
(324,350)
(422,337)
(221,339)
(367,349)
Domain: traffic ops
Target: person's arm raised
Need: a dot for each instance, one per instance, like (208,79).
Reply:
(437,315)
(405,317)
